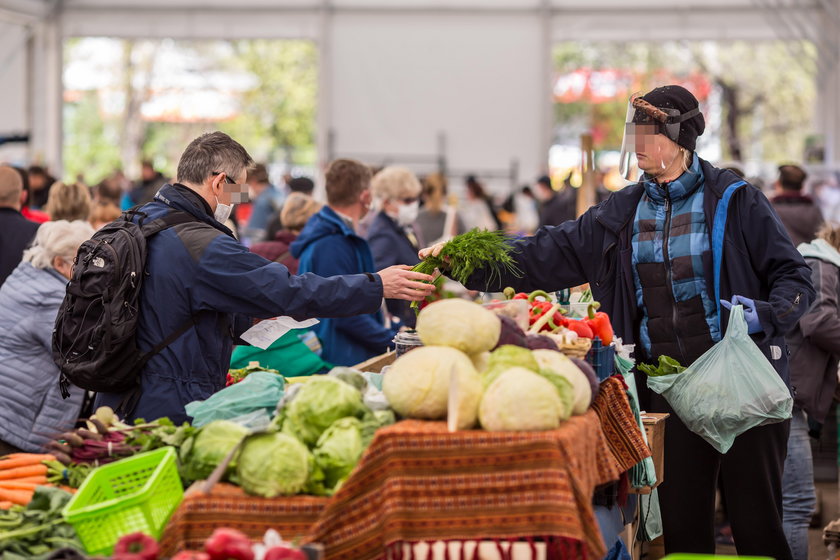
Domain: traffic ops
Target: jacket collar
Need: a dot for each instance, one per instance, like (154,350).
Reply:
(678,189)
(617,211)
(183,198)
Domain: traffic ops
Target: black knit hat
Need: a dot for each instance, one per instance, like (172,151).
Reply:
(679,98)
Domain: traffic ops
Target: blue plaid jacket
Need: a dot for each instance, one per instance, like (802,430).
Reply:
(751,255)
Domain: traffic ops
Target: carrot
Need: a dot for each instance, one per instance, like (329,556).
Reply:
(6,505)
(21,472)
(21,497)
(69,489)
(41,479)
(15,485)
(24,461)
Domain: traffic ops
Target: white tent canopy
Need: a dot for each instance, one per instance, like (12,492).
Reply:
(406,81)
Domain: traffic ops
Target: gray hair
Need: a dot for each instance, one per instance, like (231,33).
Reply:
(57,239)
(395,183)
(213,152)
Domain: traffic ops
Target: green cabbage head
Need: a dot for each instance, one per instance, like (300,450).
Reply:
(273,464)
(459,324)
(338,450)
(417,384)
(320,401)
(520,399)
(202,453)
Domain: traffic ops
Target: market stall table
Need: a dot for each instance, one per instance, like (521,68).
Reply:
(418,483)
(229,506)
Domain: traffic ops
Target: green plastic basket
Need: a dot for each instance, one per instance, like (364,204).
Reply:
(135,494)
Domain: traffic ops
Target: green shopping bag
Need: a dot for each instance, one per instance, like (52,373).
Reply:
(728,390)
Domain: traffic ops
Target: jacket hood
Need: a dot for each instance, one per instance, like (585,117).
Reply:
(323,224)
(183,198)
(44,286)
(820,249)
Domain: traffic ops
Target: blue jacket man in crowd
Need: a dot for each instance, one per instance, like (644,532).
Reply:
(199,270)
(661,255)
(329,246)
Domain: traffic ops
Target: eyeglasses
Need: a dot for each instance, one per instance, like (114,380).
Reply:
(228,180)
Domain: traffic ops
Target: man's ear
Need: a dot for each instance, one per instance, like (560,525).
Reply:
(24,196)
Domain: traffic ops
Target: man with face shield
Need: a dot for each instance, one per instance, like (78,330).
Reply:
(666,257)
(392,235)
(202,287)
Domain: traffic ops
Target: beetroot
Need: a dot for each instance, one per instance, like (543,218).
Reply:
(590,375)
(511,333)
(540,342)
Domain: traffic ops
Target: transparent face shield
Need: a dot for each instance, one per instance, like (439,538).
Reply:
(640,147)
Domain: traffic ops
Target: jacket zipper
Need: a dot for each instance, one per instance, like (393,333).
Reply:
(666,235)
(792,306)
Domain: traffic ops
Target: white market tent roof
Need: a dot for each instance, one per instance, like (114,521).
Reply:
(404,76)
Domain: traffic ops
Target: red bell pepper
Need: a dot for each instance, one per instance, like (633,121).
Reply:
(228,544)
(137,546)
(521,295)
(580,327)
(600,324)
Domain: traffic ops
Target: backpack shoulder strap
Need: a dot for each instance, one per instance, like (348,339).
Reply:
(173,218)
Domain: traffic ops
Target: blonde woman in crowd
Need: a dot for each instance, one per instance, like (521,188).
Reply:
(68,201)
(392,236)
(31,408)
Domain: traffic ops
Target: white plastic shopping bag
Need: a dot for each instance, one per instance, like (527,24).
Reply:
(728,390)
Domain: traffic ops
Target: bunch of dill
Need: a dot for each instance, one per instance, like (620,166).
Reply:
(475,249)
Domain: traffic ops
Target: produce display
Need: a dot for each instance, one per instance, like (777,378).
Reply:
(32,531)
(499,370)
(477,365)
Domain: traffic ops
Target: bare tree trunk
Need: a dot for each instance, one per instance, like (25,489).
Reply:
(732,115)
(133,126)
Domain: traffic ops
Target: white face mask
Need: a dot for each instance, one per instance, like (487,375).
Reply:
(222,212)
(407,213)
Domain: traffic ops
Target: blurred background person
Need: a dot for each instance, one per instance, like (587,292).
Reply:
(32,411)
(40,183)
(555,208)
(800,216)
(145,189)
(303,185)
(26,210)
(391,234)
(437,220)
(103,212)
(16,232)
(298,352)
(814,355)
(297,209)
(525,209)
(477,210)
(266,202)
(69,201)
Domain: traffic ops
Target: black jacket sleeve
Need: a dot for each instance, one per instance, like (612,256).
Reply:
(774,258)
(555,257)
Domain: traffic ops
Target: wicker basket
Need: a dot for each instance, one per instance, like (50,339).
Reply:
(577,349)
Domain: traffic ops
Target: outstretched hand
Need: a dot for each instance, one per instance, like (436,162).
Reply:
(433,251)
(400,282)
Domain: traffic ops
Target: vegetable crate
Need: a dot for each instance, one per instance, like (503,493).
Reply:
(601,358)
(139,493)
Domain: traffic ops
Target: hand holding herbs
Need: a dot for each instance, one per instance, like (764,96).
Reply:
(468,252)
(667,366)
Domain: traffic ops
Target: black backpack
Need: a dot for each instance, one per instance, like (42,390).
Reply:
(93,340)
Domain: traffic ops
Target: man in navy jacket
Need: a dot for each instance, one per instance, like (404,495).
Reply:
(329,246)
(659,255)
(199,270)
